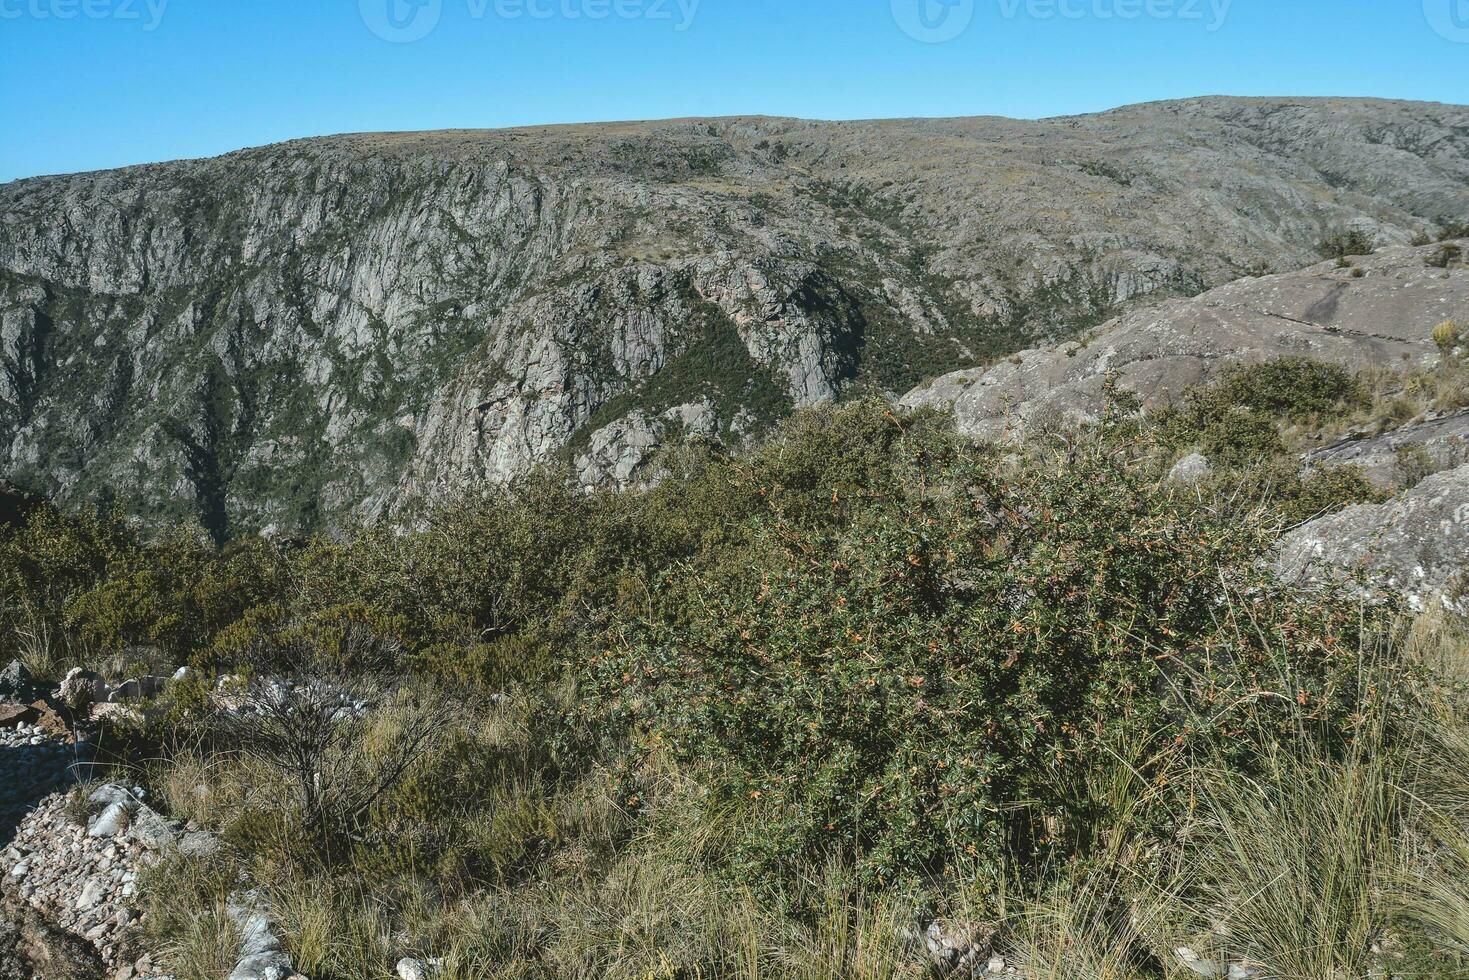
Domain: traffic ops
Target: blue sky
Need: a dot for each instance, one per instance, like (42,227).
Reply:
(100,83)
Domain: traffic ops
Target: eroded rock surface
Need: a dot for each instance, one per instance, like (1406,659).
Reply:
(1404,455)
(1379,312)
(1417,544)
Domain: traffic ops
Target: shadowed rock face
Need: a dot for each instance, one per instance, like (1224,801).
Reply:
(1437,444)
(1381,311)
(1417,545)
(321,330)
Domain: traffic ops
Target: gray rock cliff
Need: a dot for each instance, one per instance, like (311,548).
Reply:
(323,331)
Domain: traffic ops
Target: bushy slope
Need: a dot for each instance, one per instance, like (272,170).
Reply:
(776,715)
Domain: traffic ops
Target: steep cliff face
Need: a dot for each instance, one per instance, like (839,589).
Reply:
(325,330)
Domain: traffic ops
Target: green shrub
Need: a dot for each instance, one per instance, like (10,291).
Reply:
(1237,420)
(910,688)
(1289,388)
(1344,243)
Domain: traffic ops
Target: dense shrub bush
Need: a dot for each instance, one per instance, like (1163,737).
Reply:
(1342,244)
(1237,417)
(864,668)
(923,683)
(95,581)
(1289,388)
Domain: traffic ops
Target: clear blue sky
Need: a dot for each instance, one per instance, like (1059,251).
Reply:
(99,83)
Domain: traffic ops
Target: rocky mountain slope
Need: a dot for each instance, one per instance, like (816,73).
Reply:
(302,334)
(1378,311)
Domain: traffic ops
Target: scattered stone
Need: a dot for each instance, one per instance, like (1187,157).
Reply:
(1190,470)
(32,947)
(75,886)
(959,948)
(12,715)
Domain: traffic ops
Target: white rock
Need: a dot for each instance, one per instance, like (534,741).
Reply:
(1204,968)
(152,831)
(92,893)
(110,822)
(112,793)
(1190,470)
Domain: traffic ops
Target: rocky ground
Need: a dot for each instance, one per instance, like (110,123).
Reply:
(45,864)
(71,853)
(1442,441)
(1417,545)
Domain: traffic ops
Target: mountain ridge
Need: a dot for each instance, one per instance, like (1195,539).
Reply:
(324,330)
(737,118)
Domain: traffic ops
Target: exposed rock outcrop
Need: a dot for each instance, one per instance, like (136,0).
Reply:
(1403,455)
(1380,311)
(325,330)
(1417,545)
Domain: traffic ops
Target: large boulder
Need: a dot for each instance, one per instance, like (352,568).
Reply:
(16,683)
(1381,311)
(1417,545)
